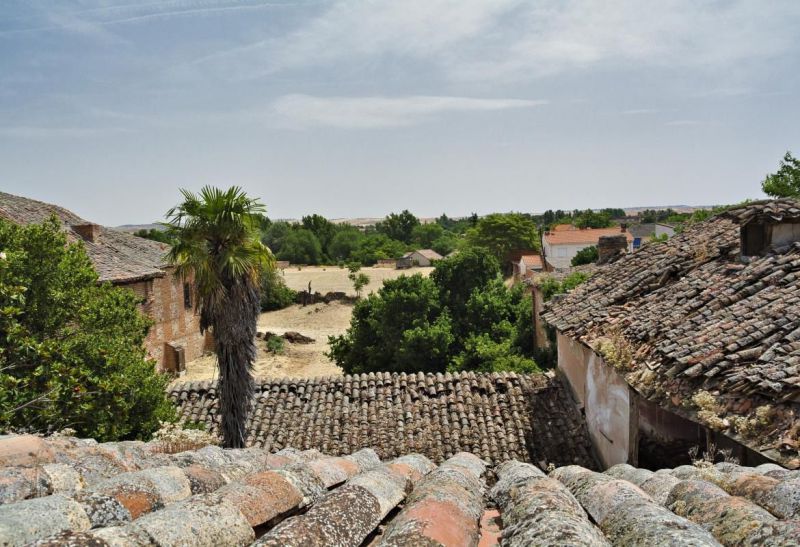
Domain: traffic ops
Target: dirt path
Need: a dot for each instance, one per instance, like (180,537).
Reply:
(318,322)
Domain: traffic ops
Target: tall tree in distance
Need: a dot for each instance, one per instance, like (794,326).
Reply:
(785,183)
(218,247)
(398,226)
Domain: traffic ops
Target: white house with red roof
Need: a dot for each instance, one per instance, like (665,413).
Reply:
(564,241)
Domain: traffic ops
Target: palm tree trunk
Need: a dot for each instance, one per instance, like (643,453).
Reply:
(234,319)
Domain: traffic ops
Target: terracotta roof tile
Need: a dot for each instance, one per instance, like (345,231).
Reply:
(577,236)
(498,416)
(296,497)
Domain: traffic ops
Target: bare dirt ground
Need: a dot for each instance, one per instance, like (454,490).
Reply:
(332,278)
(318,322)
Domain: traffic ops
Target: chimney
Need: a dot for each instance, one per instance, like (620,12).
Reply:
(88,231)
(611,247)
(623,227)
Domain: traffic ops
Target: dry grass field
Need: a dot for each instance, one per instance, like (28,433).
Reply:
(332,278)
(318,322)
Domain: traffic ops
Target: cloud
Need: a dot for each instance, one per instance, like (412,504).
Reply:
(374,112)
(44,132)
(684,123)
(639,111)
(476,40)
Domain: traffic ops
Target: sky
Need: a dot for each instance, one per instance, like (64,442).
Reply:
(361,108)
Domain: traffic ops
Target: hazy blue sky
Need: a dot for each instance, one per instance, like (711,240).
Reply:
(361,108)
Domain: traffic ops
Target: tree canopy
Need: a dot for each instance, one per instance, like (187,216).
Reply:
(461,318)
(503,233)
(398,226)
(71,353)
(785,182)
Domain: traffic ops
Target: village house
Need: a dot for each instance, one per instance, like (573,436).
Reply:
(642,233)
(692,342)
(135,263)
(564,241)
(526,266)
(421,257)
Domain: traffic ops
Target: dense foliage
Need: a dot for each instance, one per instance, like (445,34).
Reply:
(587,255)
(71,353)
(503,233)
(155,234)
(785,182)
(275,295)
(552,286)
(461,318)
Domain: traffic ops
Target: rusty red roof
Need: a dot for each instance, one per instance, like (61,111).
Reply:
(80,493)
(565,234)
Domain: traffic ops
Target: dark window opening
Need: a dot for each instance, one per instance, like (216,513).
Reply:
(187,296)
(755,239)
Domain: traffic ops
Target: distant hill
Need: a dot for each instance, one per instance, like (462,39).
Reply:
(130,228)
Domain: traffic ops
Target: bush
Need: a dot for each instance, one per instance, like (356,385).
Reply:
(463,318)
(275,295)
(551,286)
(71,353)
(276,345)
(587,255)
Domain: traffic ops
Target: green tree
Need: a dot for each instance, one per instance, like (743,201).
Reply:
(322,228)
(344,244)
(593,219)
(358,278)
(399,328)
(71,350)
(301,246)
(275,234)
(446,244)
(785,182)
(462,318)
(218,246)
(587,255)
(459,276)
(376,247)
(503,233)
(155,235)
(424,235)
(398,226)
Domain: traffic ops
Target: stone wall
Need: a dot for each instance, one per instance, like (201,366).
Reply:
(175,323)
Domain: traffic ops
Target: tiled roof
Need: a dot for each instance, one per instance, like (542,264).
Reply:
(430,254)
(696,317)
(532,261)
(497,416)
(117,256)
(571,235)
(81,493)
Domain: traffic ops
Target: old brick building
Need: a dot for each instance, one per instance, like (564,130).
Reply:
(134,263)
(692,342)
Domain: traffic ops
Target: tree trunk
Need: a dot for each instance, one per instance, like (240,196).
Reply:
(233,318)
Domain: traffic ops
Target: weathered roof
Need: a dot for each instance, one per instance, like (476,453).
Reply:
(430,254)
(497,416)
(565,234)
(117,256)
(691,315)
(80,493)
(532,261)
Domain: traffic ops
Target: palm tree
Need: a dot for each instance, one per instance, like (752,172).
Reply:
(218,248)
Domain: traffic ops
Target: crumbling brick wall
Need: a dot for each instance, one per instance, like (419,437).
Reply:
(175,323)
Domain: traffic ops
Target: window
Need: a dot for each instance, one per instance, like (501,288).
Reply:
(187,296)
(561,252)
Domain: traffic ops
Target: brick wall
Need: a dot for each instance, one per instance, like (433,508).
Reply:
(175,324)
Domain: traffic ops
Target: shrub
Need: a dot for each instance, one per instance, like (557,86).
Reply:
(587,255)
(275,295)
(276,345)
(71,353)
